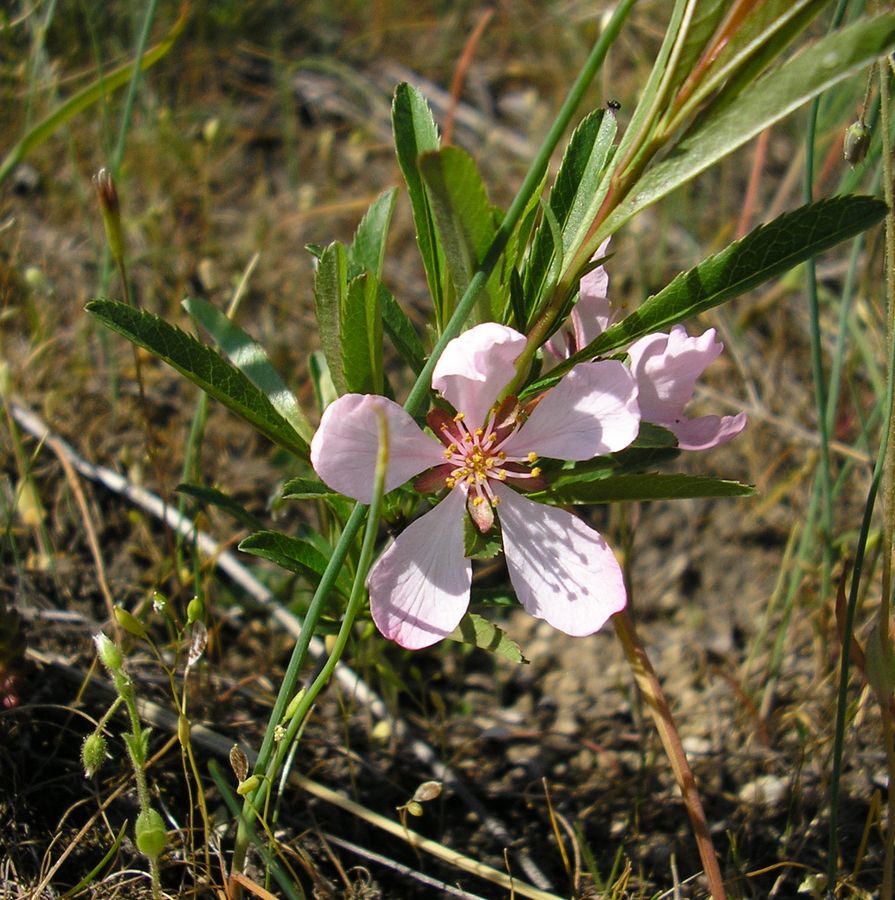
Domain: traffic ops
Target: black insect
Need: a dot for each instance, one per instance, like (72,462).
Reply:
(614,105)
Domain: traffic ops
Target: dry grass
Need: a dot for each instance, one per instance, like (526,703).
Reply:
(266,130)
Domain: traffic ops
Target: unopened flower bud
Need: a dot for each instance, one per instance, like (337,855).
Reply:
(856,142)
(108,652)
(111,211)
(93,753)
(150,833)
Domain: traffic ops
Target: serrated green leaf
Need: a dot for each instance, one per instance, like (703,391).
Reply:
(306,489)
(764,253)
(213,497)
(361,336)
(293,554)
(481,633)
(480,546)
(250,358)
(400,330)
(367,250)
(464,218)
(330,291)
(416,133)
(768,100)
(203,366)
(650,486)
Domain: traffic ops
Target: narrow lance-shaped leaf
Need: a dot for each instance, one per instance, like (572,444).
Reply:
(361,336)
(764,253)
(768,100)
(760,39)
(651,486)
(367,250)
(292,554)
(250,358)
(574,198)
(416,133)
(203,366)
(401,331)
(330,290)
(464,218)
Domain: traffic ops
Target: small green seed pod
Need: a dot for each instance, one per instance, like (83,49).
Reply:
(93,753)
(249,785)
(150,833)
(195,609)
(130,623)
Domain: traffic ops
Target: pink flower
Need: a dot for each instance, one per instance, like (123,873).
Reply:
(561,570)
(665,366)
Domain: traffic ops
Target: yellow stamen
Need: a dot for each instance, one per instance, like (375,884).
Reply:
(502,474)
(495,501)
(477,501)
(479,432)
(459,417)
(449,482)
(532,456)
(535,472)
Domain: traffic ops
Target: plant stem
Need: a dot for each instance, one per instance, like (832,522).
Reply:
(651,690)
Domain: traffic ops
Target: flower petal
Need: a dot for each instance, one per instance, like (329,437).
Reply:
(419,588)
(346,445)
(561,570)
(706,432)
(591,411)
(476,366)
(666,367)
(592,314)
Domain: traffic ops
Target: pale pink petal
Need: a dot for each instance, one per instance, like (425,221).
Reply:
(475,367)
(560,569)
(591,411)
(592,314)
(666,367)
(419,588)
(345,448)
(707,431)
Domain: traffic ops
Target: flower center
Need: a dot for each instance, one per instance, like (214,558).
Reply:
(477,458)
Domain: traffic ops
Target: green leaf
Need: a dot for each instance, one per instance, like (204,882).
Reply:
(361,334)
(415,133)
(203,366)
(764,253)
(85,98)
(306,489)
(481,546)
(367,251)
(330,291)
(768,100)
(213,497)
(250,358)
(650,486)
(761,38)
(464,218)
(400,330)
(481,633)
(294,555)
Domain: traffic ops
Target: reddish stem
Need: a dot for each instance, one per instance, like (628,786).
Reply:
(460,73)
(652,693)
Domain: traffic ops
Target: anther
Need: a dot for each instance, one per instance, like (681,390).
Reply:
(532,456)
